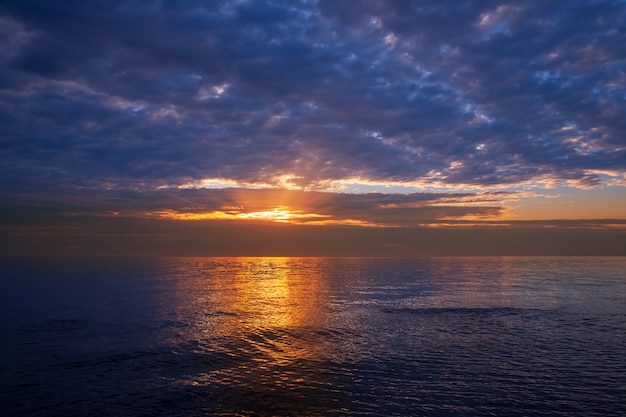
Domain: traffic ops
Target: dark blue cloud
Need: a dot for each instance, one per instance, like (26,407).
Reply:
(124,94)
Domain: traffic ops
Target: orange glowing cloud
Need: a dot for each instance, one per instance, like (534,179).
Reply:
(280,214)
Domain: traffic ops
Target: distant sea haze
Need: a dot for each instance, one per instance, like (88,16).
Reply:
(471,336)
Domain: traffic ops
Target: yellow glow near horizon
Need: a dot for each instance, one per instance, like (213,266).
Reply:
(280,214)
(276,215)
(543,198)
(463,225)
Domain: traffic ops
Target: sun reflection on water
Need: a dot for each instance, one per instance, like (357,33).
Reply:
(263,291)
(263,312)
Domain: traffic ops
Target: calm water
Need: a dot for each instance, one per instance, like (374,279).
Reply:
(313,337)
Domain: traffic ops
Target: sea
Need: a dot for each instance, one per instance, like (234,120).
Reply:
(475,336)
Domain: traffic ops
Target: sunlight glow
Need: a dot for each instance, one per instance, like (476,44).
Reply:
(434,181)
(280,214)
(463,225)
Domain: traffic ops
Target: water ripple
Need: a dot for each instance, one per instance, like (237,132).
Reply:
(288,337)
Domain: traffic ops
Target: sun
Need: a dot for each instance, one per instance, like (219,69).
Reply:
(277,214)
(280,214)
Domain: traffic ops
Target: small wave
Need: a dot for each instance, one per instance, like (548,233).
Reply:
(457,310)
(57,325)
(218,313)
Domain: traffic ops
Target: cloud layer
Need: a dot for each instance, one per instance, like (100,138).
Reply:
(136,95)
(265,205)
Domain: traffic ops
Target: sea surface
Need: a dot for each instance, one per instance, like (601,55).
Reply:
(313,337)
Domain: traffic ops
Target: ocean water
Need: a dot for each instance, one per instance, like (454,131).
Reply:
(313,337)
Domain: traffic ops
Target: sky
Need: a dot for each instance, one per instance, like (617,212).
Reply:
(313,127)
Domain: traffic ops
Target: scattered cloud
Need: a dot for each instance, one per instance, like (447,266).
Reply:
(127,94)
(429,115)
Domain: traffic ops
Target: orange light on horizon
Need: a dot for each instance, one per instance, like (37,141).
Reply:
(281,214)
(465,225)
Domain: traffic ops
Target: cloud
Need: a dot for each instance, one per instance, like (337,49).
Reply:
(133,95)
(258,205)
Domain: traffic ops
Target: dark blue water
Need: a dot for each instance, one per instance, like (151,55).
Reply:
(313,337)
